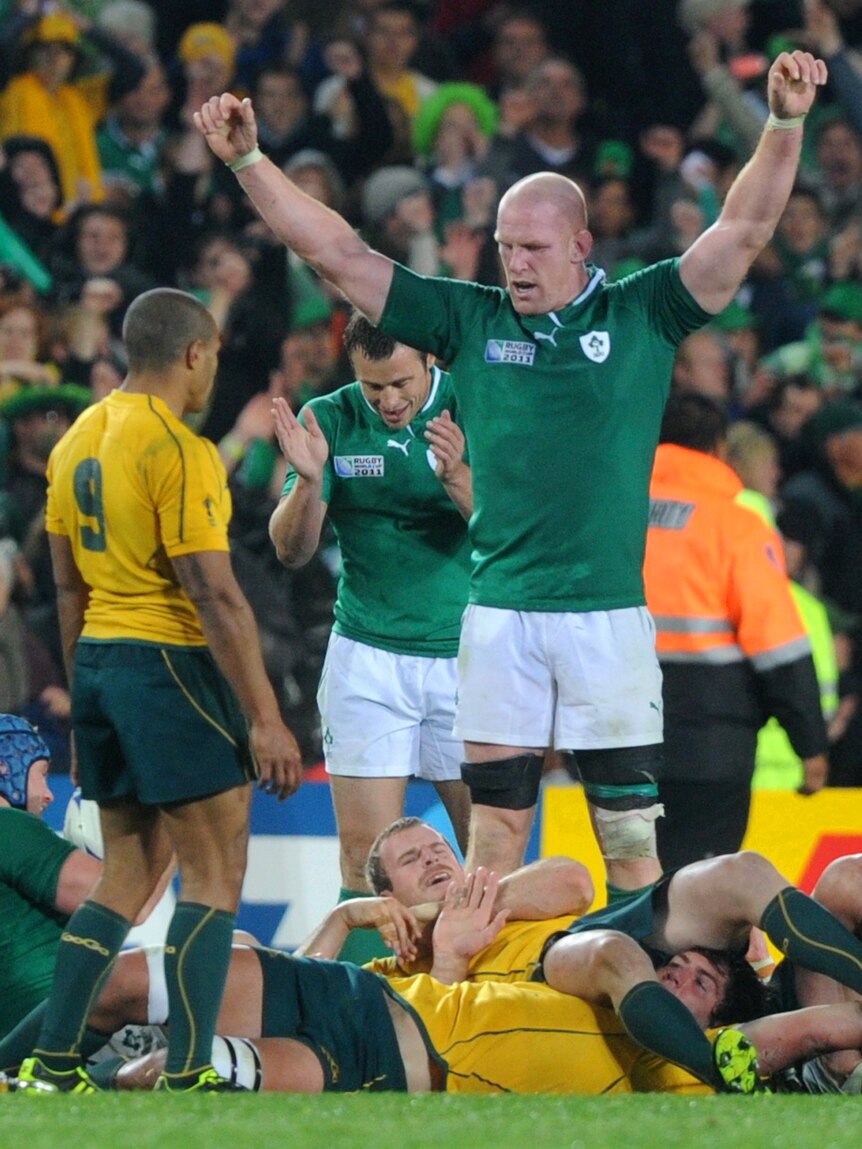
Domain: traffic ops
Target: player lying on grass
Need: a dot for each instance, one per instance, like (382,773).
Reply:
(609,957)
(331,1026)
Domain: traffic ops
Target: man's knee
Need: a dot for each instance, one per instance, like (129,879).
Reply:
(506,783)
(620,786)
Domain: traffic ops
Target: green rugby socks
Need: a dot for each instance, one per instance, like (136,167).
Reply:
(197,956)
(659,1022)
(811,936)
(85,956)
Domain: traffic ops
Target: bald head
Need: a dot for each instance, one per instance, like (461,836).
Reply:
(548,188)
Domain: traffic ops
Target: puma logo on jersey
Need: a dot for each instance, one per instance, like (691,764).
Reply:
(405,447)
(552,338)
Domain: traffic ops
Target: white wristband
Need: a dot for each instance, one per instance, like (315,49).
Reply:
(774,123)
(246,161)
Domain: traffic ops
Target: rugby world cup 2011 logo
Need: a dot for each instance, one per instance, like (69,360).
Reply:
(358,466)
(517,351)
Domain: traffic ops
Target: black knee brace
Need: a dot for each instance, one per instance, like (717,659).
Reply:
(621,789)
(622,778)
(507,783)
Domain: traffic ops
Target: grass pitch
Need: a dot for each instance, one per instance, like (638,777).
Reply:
(147,1121)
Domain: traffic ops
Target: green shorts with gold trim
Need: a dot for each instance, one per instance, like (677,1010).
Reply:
(339,1011)
(159,723)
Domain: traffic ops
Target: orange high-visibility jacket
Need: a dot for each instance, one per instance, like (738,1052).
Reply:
(730,640)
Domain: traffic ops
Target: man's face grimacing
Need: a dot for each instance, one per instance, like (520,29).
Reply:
(397,387)
(696,982)
(543,243)
(419,864)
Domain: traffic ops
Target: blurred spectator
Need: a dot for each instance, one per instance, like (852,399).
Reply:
(520,45)
(784,413)
(23,347)
(792,272)
(317,175)
(831,350)
(132,135)
(830,485)
(96,258)
(733,82)
(702,366)
(398,218)
(753,455)
(46,100)
(355,136)
(741,330)
(555,138)
(30,192)
(206,54)
(612,217)
(391,40)
(246,287)
(80,335)
(37,417)
(133,23)
(838,175)
(266,36)
(452,134)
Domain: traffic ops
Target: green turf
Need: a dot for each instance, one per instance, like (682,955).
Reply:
(441,1122)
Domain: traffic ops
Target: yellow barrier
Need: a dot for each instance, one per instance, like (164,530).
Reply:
(799,835)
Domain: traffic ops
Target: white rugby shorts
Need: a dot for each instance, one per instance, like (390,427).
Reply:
(387,715)
(574,681)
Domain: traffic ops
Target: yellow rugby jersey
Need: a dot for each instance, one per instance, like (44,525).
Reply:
(524,1037)
(131,486)
(511,956)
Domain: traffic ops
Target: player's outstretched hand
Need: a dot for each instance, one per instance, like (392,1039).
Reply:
(305,448)
(228,126)
(467,923)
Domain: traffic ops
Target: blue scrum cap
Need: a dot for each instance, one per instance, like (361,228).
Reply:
(20,747)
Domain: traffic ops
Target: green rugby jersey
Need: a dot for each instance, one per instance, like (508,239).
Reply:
(404,548)
(31,858)
(562,414)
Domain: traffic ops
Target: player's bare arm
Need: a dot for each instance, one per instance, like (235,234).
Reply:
(395,923)
(547,888)
(73,595)
(783,1039)
(231,633)
(718,260)
(318,235)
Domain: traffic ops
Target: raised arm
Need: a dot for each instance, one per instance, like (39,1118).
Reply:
(317,234)
(718,260)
